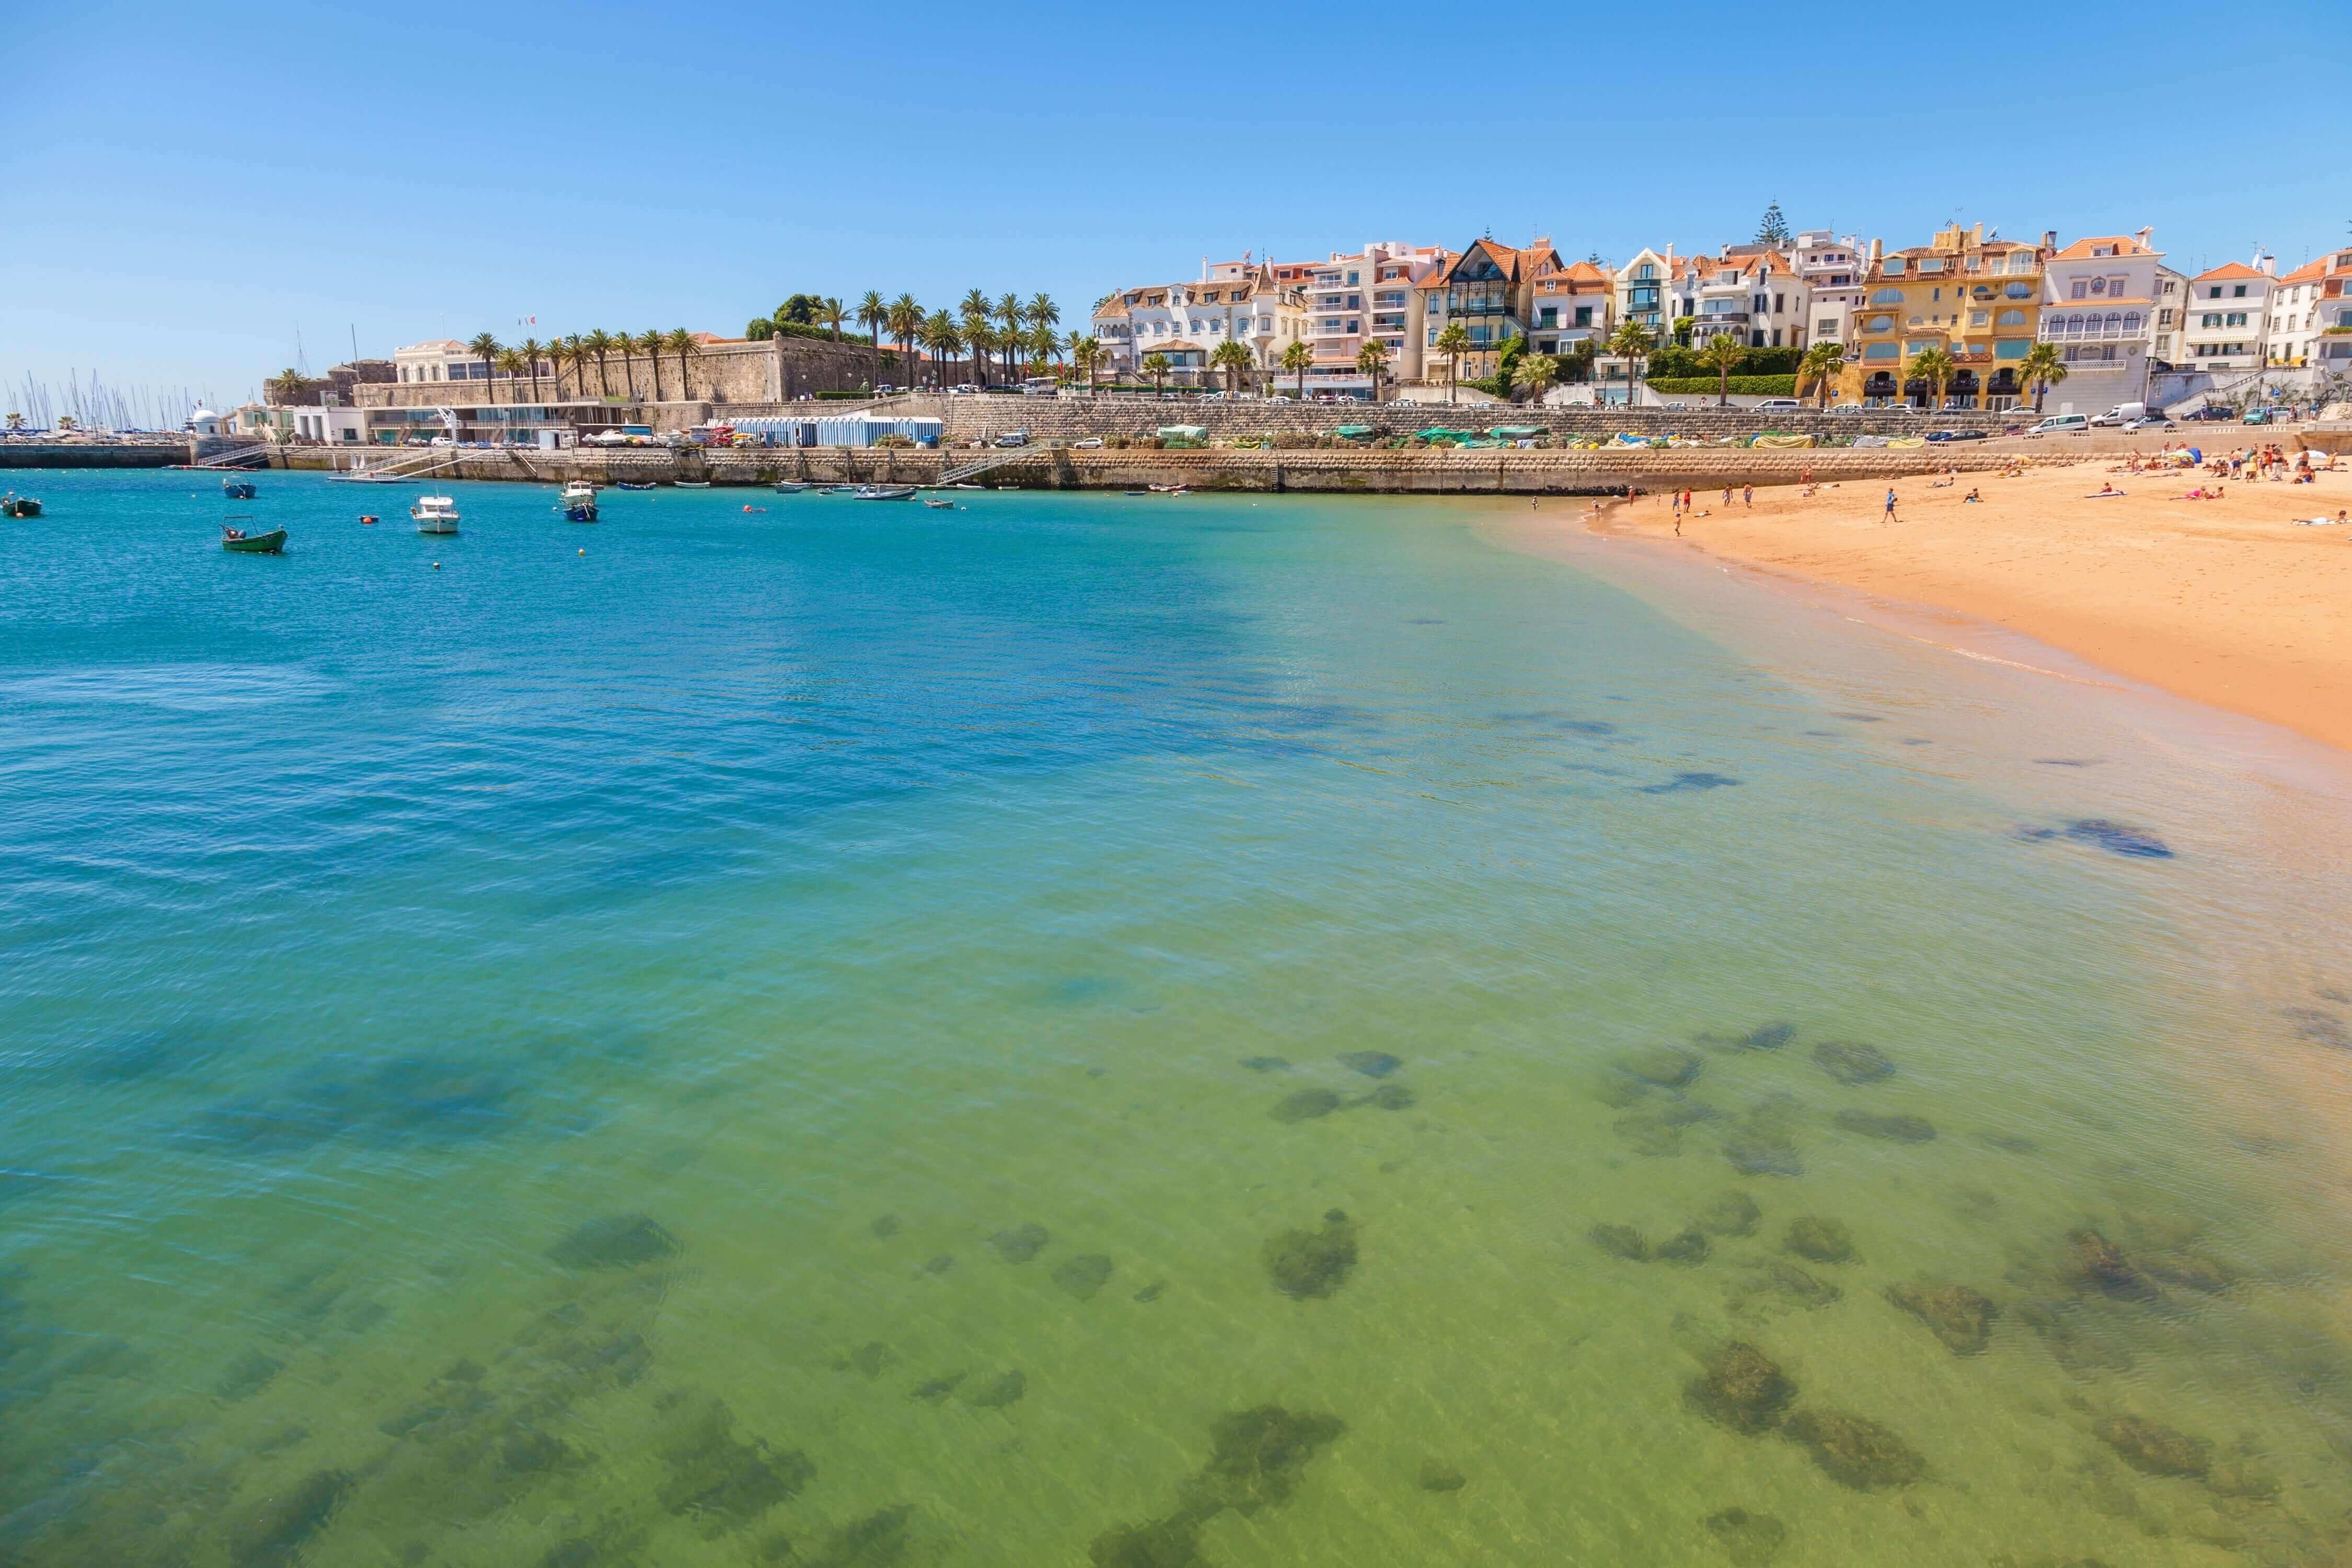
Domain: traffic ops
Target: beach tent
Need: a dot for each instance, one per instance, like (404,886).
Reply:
(1778,440)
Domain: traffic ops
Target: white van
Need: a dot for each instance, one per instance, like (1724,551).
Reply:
(2062,424)
(1778,406)
(2123,414)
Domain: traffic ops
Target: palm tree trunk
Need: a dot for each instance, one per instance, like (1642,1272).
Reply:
(629,372)
(655,355)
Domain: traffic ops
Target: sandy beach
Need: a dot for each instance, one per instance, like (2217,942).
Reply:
(2224,601)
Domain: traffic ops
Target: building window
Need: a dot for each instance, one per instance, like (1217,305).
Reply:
(1887,297)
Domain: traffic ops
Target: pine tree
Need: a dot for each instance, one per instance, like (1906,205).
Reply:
(1772,228)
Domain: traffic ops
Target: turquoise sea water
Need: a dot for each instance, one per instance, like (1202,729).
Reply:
(1134,1031)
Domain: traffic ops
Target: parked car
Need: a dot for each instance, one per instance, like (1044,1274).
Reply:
(1849,408)
(1955,435)
(1778,406)
(2121,414)
(1013,438)
(2148,422)
(1086,443)
(1002,391)
(2210,411)
(2262,416)
(962,389)
(2062,424)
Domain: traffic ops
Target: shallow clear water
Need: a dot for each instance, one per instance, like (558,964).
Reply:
(553,1059)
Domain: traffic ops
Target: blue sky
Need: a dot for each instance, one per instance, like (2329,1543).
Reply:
(186,188)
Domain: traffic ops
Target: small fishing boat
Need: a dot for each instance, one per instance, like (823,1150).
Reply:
(882,492)
(579,501)
(579,489)
(435,514)
(237,490)
(791,486)
(938,505)
(13,505)
(691,484)
(236,539)
(839,490)
(1135,493)
(632,485)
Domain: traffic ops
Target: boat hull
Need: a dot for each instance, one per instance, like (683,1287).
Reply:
(20,506)
(270,543)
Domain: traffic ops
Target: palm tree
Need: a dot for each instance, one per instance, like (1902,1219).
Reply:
(1010,315)
(1721,354)
(829,312)
(1045,344)
(1821,365)
(575,346)
(1086,353)
(531,349)
(1042,312)
(650,345)
(1372,359)
(683,348)
(1155,366)
(1537,373)
(1453,342)
(1298,358)
(982,340)
(622,344)
(485,347)
(905,326)
(1232,357)
(940,336)
(874,315)
(1935,367)
(511,361)
(284,386)
(2044,367)
(1632,342)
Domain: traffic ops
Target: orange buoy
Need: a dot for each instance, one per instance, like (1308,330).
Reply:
(368,521)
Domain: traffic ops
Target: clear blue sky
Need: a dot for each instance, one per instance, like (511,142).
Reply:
(186,187)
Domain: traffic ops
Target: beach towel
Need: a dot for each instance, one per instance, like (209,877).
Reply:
(2106,495)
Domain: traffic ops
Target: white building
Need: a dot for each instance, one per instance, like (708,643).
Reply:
(2169,345)
(1372,295)
(1831,268)
(2311,316)
(1644,287)
(443,359)
(1186,322)
(2100,298)
(1751,292)
(2229,316)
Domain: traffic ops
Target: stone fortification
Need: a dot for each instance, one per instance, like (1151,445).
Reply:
(718,375)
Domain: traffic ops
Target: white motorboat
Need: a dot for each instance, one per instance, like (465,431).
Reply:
(435,514)
(579,490)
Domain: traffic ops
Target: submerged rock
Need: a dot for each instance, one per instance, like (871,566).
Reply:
(716,1476)
(2155,1450)
(1436,1476)
(2190,1269)
(1795,1287)
(1371,1063)
(996,1392)
(1151,1292)
(1649,1134)
(1388,1096)
(1741,1388)
(1155,1543)
(616,1241)
(1763,1037)
(885,1227)
(1312,1263)
(1819,1240)
(1957,1315)
(1266,1064)
(1084,1274)
(938,1388)
(1621,1241)
(1898,1128)
(1748,1540)
(1667,1067)
(1763,1154)
(274,1531)
(939,1264)
(2242,1480)
(878,1540)
(2116,838)
(1256,1458)
(1857,1451)
(1691,1247)
(2074,1340)
(870,1360)
(1733,1214)
(1305,1105)
(1853,1063)
(2099,1263)
(1021,1243)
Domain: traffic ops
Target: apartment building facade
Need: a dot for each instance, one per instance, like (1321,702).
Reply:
(1752,293)
(1488,289)
(1646,291)
(1573,305)
(1830,266)
(2100,298)
(1372,295)
(1976,297)
(2229,316)
(2311,316)
(1186,322)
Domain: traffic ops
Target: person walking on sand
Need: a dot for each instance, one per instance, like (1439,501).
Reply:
(1747,497)
(1890,504)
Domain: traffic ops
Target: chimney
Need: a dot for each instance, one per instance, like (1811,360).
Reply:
(2267,265)
(1878,251)
(1204,269)
(2146,238)
(2049,239)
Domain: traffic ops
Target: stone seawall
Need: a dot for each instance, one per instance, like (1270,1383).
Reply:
(1502,472)
(91,454)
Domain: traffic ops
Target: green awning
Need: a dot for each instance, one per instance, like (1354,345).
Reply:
(1353,431)
(1517,430)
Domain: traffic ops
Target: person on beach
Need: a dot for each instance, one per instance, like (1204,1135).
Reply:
(1890,505)
(1971,496)
(1747,497)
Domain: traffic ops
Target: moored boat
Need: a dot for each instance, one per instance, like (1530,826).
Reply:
(631,485)
(435,514)
(237,490)
(940,505)
(692,484)
(579,501)
(791,486)
(235,539)
(13,505)
(882,492)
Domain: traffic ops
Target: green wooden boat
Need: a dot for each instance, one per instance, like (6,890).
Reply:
(270,543)
(13,505)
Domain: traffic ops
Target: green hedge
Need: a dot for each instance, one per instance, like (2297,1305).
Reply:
(1671,361)
(843,396)
(1752,385)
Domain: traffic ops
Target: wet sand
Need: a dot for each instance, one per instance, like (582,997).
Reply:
(2223,602)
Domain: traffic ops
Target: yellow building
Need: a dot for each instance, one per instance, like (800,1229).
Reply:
(1978,300)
